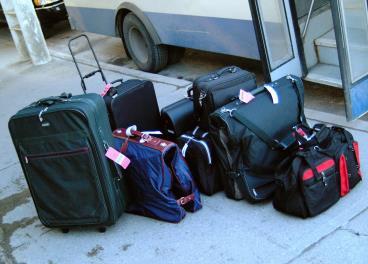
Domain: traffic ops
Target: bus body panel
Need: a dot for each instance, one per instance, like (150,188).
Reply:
(214,26)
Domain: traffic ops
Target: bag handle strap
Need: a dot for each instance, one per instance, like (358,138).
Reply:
(298,85)
(310,163)
(273,143)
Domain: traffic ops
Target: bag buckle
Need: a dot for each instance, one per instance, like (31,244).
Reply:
(186,199)
(226,110)
(292,79)
(41,113)
(145,138)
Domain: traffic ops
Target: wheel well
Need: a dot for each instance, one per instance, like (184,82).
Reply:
(119,20)
(118,24)
(125,9)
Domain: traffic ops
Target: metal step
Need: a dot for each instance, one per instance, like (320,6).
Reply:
(325,74)
(326,49)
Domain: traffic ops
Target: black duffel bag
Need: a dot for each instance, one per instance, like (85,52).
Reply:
(198,151)
(252,139)
(339,144)
(218,88)
(309,186)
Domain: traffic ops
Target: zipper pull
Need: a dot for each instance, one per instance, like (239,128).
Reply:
(26,159)
(324,178)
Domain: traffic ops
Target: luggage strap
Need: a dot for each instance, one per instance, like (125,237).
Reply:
(298,85)
(186,199)
(274,143)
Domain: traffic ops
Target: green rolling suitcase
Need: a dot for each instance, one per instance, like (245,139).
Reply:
(61,144)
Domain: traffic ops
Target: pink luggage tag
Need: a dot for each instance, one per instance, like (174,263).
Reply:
(106,90)
(118,157)
(245,97)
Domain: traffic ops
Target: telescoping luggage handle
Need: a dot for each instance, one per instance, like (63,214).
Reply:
(88,75)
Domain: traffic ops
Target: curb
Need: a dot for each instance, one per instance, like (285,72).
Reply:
(126,71)
(332,119)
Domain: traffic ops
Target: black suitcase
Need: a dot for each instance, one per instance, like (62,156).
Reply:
(131,102)
(217,89)
(252,139)
(198,151)
(178,118)
(61,144)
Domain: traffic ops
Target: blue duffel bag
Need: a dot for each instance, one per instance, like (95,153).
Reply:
(158,179)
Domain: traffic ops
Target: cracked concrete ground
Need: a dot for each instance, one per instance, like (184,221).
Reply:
(224,231)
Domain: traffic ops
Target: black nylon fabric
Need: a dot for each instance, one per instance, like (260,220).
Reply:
(133,102)
(202,162)
(306,198)
(62,155)
(242,151)
(341,138)
(219,88)
(337,142)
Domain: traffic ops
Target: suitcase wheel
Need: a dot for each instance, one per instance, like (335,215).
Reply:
(65,230)
(102,229)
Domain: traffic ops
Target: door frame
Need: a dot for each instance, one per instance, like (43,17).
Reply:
(351,89)
(262,47)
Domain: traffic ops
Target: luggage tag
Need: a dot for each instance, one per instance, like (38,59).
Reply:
(106,90)
(245,97)
(273,93)
(117,157)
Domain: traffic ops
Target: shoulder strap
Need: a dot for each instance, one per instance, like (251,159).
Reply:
(298,85)
(274,144)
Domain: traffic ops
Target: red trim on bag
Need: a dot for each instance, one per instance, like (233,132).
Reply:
(344,177)
(184,200)
(357,155)
(308,174)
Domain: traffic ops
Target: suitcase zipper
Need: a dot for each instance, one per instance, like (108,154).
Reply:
(323,169)
(109,201)
(50,155)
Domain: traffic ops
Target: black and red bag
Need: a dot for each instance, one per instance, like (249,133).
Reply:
(345,150)
(326,167)
(339,144)
(309,186)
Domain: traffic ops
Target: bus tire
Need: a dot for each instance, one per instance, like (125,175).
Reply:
(175,54)
(146,54)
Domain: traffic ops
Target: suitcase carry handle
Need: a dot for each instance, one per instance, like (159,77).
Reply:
(48,101)
(190,93)
(88,75)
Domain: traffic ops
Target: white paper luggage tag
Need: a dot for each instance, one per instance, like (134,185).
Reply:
(245,97)
(273,93)
(117,157)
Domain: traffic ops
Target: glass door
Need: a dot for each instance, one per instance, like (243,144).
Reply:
(276,37)
(351,30)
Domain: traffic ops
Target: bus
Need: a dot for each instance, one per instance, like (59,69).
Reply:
(322,41)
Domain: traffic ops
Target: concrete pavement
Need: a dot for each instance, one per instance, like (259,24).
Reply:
(224,231)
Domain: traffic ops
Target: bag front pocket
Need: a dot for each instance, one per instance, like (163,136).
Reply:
(321,191)
(63,179)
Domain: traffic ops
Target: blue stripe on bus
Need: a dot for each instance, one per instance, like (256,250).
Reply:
(228,36)
(100,21)
(221,35)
